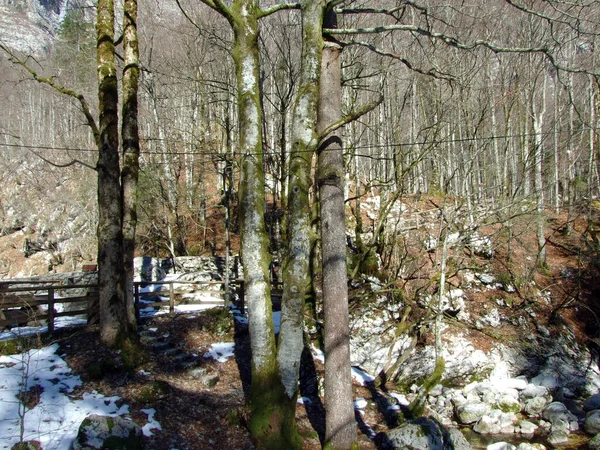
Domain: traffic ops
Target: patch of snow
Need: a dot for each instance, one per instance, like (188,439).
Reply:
(360,403)
(55,420)
(221,351)
(152,423)
(361,377)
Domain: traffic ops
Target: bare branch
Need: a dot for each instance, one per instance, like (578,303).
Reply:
(63,90)
(431,73)
(185,14)
(279,7)
(352,116)
(62,166)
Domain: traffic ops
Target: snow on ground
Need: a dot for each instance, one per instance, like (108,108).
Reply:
(220,351)
(55,419)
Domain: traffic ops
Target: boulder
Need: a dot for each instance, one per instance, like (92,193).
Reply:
(501,446)
(424,433)
(528,446)
(592,422)
(535,406)
(547,381)
(592,403)
(101,432)
(560,417)
(471,412)
(594,443)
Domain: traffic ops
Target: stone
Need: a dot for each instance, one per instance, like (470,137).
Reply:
(531,390)
(547,381)
(527,446)
(526,428)
(210,380)
(592,422)
(557,438)
(424,433)
(457,440)
(101,432)
(487,425)
(471,412)
(592,403)
(508,404)
(501,446)
(560,417)
(594,443)
(535,406)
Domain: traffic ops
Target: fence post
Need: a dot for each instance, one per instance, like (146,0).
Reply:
(171,299)
(136,299)
(50,310)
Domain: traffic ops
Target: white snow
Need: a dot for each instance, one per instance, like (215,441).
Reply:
(220,351)
(152,423)
(55,419)
(361,377)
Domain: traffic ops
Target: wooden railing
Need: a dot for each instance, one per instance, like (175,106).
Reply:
(22,302)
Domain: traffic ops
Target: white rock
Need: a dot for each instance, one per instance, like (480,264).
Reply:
(471,412)
(592,422)
(531,390)
(548,381)
(501,446)
(526,428)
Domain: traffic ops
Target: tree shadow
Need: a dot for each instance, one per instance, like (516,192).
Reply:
(309,389)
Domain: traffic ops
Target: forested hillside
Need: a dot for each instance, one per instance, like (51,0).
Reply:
(467,182)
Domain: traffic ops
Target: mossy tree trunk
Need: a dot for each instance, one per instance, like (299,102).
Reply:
(131,148)
(296,267)
(111,282)
(272,422)
(340,425)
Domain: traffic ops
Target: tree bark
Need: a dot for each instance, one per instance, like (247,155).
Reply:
(340,425)
(131,149)
(113,314)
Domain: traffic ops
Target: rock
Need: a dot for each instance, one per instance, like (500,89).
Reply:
(497,422)
(592,403)
(560,417)
(526,428)
(594,443)
(471,412)
(198,372)
(100,432)
(501,446)
(210,380)
(535,406)
(592,422)
(558,438)
(531,390)
(508,404)
(423,433)
(547,381)
(527,446)
(457,440)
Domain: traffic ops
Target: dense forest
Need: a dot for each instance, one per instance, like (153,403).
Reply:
(332,145)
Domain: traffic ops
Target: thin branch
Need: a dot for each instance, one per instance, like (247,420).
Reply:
(431,73)
(62,166)
(352,116)
(273,9)
(185,14)
(454,42)
(63,90)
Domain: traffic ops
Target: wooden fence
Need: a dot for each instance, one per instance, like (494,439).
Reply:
(23,302)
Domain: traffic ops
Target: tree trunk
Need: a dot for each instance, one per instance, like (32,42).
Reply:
(113,313)
(296,268)
(272,422)
(340,425)
(131,148)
